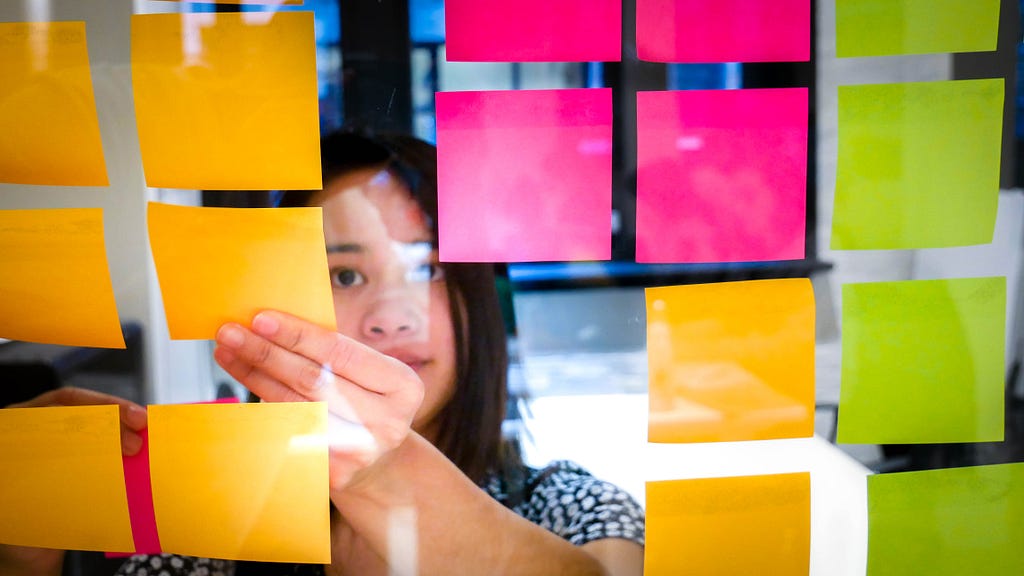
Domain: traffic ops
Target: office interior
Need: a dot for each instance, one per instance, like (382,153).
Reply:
(577,330)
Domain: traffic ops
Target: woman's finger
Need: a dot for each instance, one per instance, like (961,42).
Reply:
(344,399)
(132,416)
(342,355)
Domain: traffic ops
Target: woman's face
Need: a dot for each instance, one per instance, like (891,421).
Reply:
(389,291)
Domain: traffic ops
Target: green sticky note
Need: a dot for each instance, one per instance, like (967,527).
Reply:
(922,361)
(918,164)
(887,27)
(947,522)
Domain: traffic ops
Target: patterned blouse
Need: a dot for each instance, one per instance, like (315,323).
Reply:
(563,498)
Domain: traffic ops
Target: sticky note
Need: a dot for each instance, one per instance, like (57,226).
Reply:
(923,361)
(721,175)
(62,485)
(918,164)
(242,481)
(533,31)
(218,265)
(723,30)
(947,522)
(731,361)
(727,526)
(524,175)
(54,282)
(224,101)
(888,27)
(49,131)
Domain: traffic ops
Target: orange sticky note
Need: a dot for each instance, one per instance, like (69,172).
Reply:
(218,265)
(54,282)
(242,481)
(728,526)
(49,131)
(62,484)
(227,101)
(731,361)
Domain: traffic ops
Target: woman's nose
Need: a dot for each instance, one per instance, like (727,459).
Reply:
(392,318)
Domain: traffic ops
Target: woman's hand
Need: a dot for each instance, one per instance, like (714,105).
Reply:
(371,398)
(133,416)
(17,560)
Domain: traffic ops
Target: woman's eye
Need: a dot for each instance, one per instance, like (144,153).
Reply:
(426,273)
(346,277)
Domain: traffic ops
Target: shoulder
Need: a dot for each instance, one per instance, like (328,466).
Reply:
(174,565)
(570,501)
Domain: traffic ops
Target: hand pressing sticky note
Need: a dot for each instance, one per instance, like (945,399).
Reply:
(227,101)
(728,526)
(242,481)
(888,27)
(723,30)
(49,131)
(721,175)
(918,164)
(524,175)
(923,361)
(731,361)
(218,265)
(54,282)
(62,485)
(533,31)
(947,522)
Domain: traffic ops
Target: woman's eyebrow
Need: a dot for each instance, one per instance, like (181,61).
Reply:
(346,248)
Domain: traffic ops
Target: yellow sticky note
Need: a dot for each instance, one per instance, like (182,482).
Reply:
(728,526)
(731,361)
(49,131)
(218,265)
(54,282)
(242,481)
(62,484)
(227,101)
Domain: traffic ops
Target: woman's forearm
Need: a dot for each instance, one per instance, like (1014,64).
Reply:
(416,498)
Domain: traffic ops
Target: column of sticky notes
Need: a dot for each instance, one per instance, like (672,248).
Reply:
(923,360)
(721,177)
(222,101)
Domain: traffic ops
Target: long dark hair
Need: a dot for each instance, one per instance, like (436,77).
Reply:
(470,425)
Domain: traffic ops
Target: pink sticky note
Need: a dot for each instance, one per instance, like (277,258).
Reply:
(533,30)
(723,30)
(524,175)
(721,175)
(140,496)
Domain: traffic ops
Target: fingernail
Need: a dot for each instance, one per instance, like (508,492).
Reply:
(136,417)
(230,336)
(265,325)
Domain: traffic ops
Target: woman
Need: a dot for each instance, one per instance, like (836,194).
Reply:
(416,376)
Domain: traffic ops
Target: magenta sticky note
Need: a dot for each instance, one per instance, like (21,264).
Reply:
(524,175)
(721,175)
(723,30)
(533,30)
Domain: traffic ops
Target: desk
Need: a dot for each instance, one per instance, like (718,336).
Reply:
(607,434)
